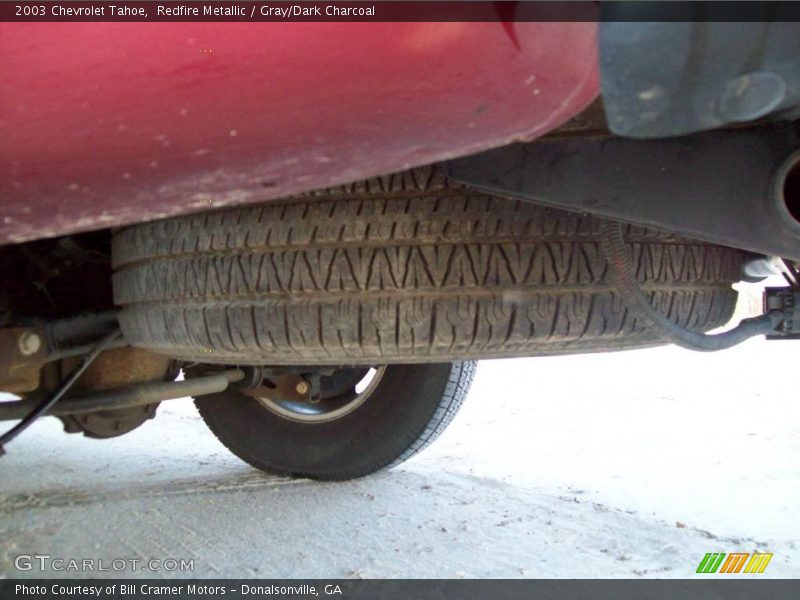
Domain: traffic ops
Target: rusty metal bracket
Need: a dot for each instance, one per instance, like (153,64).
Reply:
(23,351)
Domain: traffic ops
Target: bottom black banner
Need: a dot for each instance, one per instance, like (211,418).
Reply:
(417,589)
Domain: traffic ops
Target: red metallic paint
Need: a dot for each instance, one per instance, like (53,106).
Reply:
(108,124)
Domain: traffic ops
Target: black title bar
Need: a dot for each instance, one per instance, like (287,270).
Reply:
(392,11)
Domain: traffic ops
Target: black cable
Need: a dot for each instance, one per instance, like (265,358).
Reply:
(621,264)
(37,412)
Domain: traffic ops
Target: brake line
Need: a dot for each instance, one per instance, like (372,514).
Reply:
(621,268)
(37,412)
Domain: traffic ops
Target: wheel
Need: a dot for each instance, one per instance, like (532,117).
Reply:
(403,269)
(352,430)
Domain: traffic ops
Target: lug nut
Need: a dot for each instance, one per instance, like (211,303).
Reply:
(301,388)
(29,343)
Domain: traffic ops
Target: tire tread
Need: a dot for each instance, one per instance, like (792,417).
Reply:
(404,268)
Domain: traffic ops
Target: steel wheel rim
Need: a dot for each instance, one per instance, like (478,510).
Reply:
(307,412)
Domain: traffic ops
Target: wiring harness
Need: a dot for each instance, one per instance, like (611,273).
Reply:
(621,266)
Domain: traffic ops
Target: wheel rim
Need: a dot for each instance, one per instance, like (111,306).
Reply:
(337,405)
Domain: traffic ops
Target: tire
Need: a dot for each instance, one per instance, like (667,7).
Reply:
(407,411)
(402,269)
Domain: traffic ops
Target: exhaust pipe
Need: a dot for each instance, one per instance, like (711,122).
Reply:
(787,191)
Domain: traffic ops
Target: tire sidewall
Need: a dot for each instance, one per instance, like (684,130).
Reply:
(374,435)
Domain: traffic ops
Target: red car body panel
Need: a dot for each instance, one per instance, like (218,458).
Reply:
(107,124)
